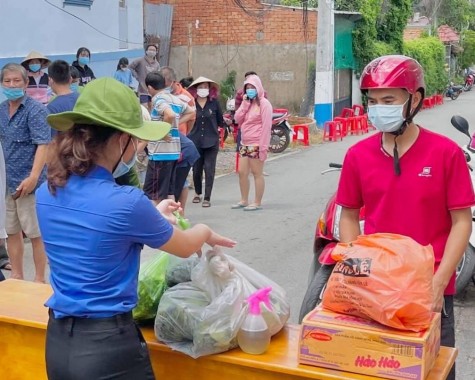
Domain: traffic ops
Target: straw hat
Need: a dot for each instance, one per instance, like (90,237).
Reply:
(107,102)
(35,55)
(199,80)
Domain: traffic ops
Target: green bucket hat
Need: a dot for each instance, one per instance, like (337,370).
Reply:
(107,102)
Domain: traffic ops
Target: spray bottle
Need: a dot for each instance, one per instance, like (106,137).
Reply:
(254,335)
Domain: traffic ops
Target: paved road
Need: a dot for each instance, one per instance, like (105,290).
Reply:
(277,241)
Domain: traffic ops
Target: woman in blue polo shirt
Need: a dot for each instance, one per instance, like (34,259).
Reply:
(94,230)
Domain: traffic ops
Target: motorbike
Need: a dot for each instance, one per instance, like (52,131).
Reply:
(469,80)
(281,130)
(452,91)
(466,268)
(327,236)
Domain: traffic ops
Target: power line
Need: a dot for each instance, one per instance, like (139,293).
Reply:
(91,26)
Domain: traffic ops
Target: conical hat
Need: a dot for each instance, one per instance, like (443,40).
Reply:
(199,80)
(36,55)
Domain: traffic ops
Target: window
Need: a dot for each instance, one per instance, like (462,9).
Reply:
(79,3)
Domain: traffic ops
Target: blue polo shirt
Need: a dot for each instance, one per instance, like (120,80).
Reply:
(20,135)
(93,231)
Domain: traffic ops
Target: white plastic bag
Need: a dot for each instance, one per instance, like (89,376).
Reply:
(203,317)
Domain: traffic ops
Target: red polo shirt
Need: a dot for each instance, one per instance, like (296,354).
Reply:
(434,180)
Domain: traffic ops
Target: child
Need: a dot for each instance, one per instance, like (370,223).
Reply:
(75,79)
(123,73)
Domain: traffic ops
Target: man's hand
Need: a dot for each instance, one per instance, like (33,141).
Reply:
(438,300)
(27,186)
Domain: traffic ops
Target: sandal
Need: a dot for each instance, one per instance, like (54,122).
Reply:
(206,203)
(252,208)
(5,264)
(238,206)
(197,199)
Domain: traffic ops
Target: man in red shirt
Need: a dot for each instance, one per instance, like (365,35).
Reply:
(411,181)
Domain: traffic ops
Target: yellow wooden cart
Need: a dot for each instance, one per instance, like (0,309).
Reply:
(23,319)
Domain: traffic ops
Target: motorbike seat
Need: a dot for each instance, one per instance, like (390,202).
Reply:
(277,115)
(457,88)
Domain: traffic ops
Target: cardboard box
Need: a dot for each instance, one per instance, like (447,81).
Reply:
(353,344)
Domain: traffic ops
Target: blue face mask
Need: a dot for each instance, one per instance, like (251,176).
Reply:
(35,67)
(251,93)
(13,93)
(83,61)
(124,167)
(387,118)
(74,87)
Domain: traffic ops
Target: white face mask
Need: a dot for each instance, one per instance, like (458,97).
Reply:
(387,118)
(203,92)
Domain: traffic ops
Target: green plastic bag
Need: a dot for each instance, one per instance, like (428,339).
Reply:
(152,283)
(151,286)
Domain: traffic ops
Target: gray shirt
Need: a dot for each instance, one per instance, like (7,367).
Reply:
(140,68)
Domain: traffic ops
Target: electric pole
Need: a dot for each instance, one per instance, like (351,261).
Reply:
(324,76)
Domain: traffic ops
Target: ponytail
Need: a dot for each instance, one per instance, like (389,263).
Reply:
(75,151)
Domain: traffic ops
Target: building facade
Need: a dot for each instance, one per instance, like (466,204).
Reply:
(110,29)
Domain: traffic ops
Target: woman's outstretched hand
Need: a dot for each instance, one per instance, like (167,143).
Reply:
(167,207)
(216,239)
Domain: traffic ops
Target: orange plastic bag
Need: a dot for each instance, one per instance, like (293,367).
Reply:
(384,277)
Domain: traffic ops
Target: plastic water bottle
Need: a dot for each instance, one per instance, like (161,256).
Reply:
(254,335)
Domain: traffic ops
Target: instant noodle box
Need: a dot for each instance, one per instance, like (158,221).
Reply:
(352,344)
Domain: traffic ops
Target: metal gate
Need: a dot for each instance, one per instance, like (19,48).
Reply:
(158,29)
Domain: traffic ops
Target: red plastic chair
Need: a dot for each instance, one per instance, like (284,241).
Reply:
(362,123)
(303,129)
(355,125)
(344,124)
(332,130)
(347,112)
(358,110)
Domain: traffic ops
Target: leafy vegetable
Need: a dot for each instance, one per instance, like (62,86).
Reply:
(151,286)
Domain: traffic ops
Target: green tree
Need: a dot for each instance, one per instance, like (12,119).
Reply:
(365,33)
(430,53)
(300,3)
(342,5)
(459,14)
(392,23)
(467,58)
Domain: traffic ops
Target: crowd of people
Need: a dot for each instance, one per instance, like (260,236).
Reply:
(162,168)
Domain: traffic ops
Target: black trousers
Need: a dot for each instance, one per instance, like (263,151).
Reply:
(96,349)
(207,161)
(180,179)
(447,330)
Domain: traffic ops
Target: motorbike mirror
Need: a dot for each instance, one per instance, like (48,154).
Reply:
(461,124)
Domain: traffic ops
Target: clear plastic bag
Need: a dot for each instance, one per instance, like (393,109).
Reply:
(187,323)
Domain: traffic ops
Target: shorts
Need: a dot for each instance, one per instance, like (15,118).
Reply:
(145,99)
(249,151)
(160,179)
(21,216)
